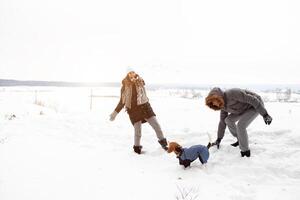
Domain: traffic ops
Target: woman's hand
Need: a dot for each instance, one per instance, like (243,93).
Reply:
(113,116)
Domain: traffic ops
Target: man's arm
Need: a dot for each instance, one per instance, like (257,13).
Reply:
(222,125)
(242,96)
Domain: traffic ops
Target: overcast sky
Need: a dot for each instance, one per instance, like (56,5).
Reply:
(166,41)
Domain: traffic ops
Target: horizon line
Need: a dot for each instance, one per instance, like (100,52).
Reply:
(17,82)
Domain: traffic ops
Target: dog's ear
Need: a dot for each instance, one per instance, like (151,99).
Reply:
(178,149)
(171,148)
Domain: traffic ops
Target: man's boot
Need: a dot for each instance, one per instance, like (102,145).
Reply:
(137,149)
(235,144)
(245,153)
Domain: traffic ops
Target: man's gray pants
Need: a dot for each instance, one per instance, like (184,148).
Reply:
(138,130)
(238,129)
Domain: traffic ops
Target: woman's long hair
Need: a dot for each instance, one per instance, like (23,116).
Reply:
(127,82)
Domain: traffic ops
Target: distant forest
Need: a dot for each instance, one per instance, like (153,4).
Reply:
(268,87)
(10,82)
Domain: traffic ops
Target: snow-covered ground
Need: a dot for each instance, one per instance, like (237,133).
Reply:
(59,149)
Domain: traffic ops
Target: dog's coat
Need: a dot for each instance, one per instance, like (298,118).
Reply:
(188,155)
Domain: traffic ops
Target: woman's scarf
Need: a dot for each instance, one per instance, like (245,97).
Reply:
(127,93)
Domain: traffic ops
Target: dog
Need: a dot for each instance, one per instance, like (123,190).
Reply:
(187,155)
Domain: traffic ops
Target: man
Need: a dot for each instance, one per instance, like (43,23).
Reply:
(238,109)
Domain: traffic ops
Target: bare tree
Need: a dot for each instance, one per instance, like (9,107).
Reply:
(187,193)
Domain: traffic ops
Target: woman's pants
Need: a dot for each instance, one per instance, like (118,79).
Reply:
(138,130)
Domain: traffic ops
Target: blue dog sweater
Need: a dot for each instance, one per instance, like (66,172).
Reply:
(194,152)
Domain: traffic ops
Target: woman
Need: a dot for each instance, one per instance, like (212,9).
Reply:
(134,98)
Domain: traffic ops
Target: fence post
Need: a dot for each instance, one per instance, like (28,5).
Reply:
(35,97)
(91,101)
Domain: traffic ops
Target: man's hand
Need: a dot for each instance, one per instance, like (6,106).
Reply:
(217,142)
(268,119)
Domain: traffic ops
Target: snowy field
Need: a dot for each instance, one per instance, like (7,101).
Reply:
(53,147)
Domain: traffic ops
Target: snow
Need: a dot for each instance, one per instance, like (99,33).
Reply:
(60,149)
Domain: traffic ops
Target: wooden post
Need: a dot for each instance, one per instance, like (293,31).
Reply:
(91,101)
(35,97)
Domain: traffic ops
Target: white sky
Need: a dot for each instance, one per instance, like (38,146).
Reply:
(166,41)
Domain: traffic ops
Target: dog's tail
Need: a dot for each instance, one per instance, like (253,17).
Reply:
(209,141)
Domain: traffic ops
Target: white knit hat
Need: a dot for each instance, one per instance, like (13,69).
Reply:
(129,69)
